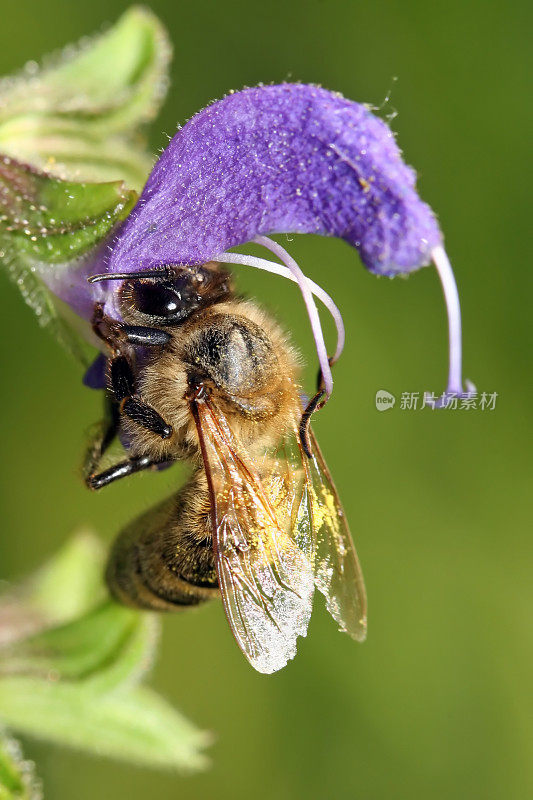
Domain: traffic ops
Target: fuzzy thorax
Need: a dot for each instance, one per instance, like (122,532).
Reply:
(246,364)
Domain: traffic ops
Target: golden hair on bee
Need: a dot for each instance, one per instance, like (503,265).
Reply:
(244,358)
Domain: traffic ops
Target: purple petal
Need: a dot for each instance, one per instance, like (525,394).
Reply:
(95,376)
(273,159)
(69,282)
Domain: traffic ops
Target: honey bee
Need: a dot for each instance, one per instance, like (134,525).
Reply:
(197,373)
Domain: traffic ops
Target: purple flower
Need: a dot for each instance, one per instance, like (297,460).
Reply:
(288,158)
(274,159)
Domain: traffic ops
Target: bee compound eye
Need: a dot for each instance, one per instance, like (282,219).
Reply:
(163,301)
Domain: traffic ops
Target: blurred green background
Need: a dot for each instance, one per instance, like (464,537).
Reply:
(438,702)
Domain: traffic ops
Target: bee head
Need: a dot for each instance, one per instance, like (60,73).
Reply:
(169,296)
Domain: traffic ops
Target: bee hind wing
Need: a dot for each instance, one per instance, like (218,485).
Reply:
(338,574)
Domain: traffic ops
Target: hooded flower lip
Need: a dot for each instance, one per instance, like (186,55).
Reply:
(289,158)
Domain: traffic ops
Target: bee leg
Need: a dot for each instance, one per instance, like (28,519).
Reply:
(312,406)
(106,435)
(130,404)
(115,334)
(121,470)
(144,336)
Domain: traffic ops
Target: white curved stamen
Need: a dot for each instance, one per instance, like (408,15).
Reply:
(453,308)
(312,312)
(278,269)
(309,288)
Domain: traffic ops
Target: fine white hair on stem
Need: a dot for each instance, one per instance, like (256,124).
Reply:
(278,269)
(307,289)
(453,308)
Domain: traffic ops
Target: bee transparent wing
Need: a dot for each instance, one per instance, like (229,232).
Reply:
(338,574)
(321,531)
(265,578)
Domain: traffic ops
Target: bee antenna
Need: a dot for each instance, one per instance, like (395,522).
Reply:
(160,272)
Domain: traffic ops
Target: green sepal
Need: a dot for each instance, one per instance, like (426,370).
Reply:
(17,776)
(67,586)
(109,646)
(135,725)
(80,113)
(79,683)
(49,220)
(70,584)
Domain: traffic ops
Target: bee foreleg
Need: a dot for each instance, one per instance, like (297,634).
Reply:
(115,334)
(107,432)
(144,336)
(121,470)
(130,404)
